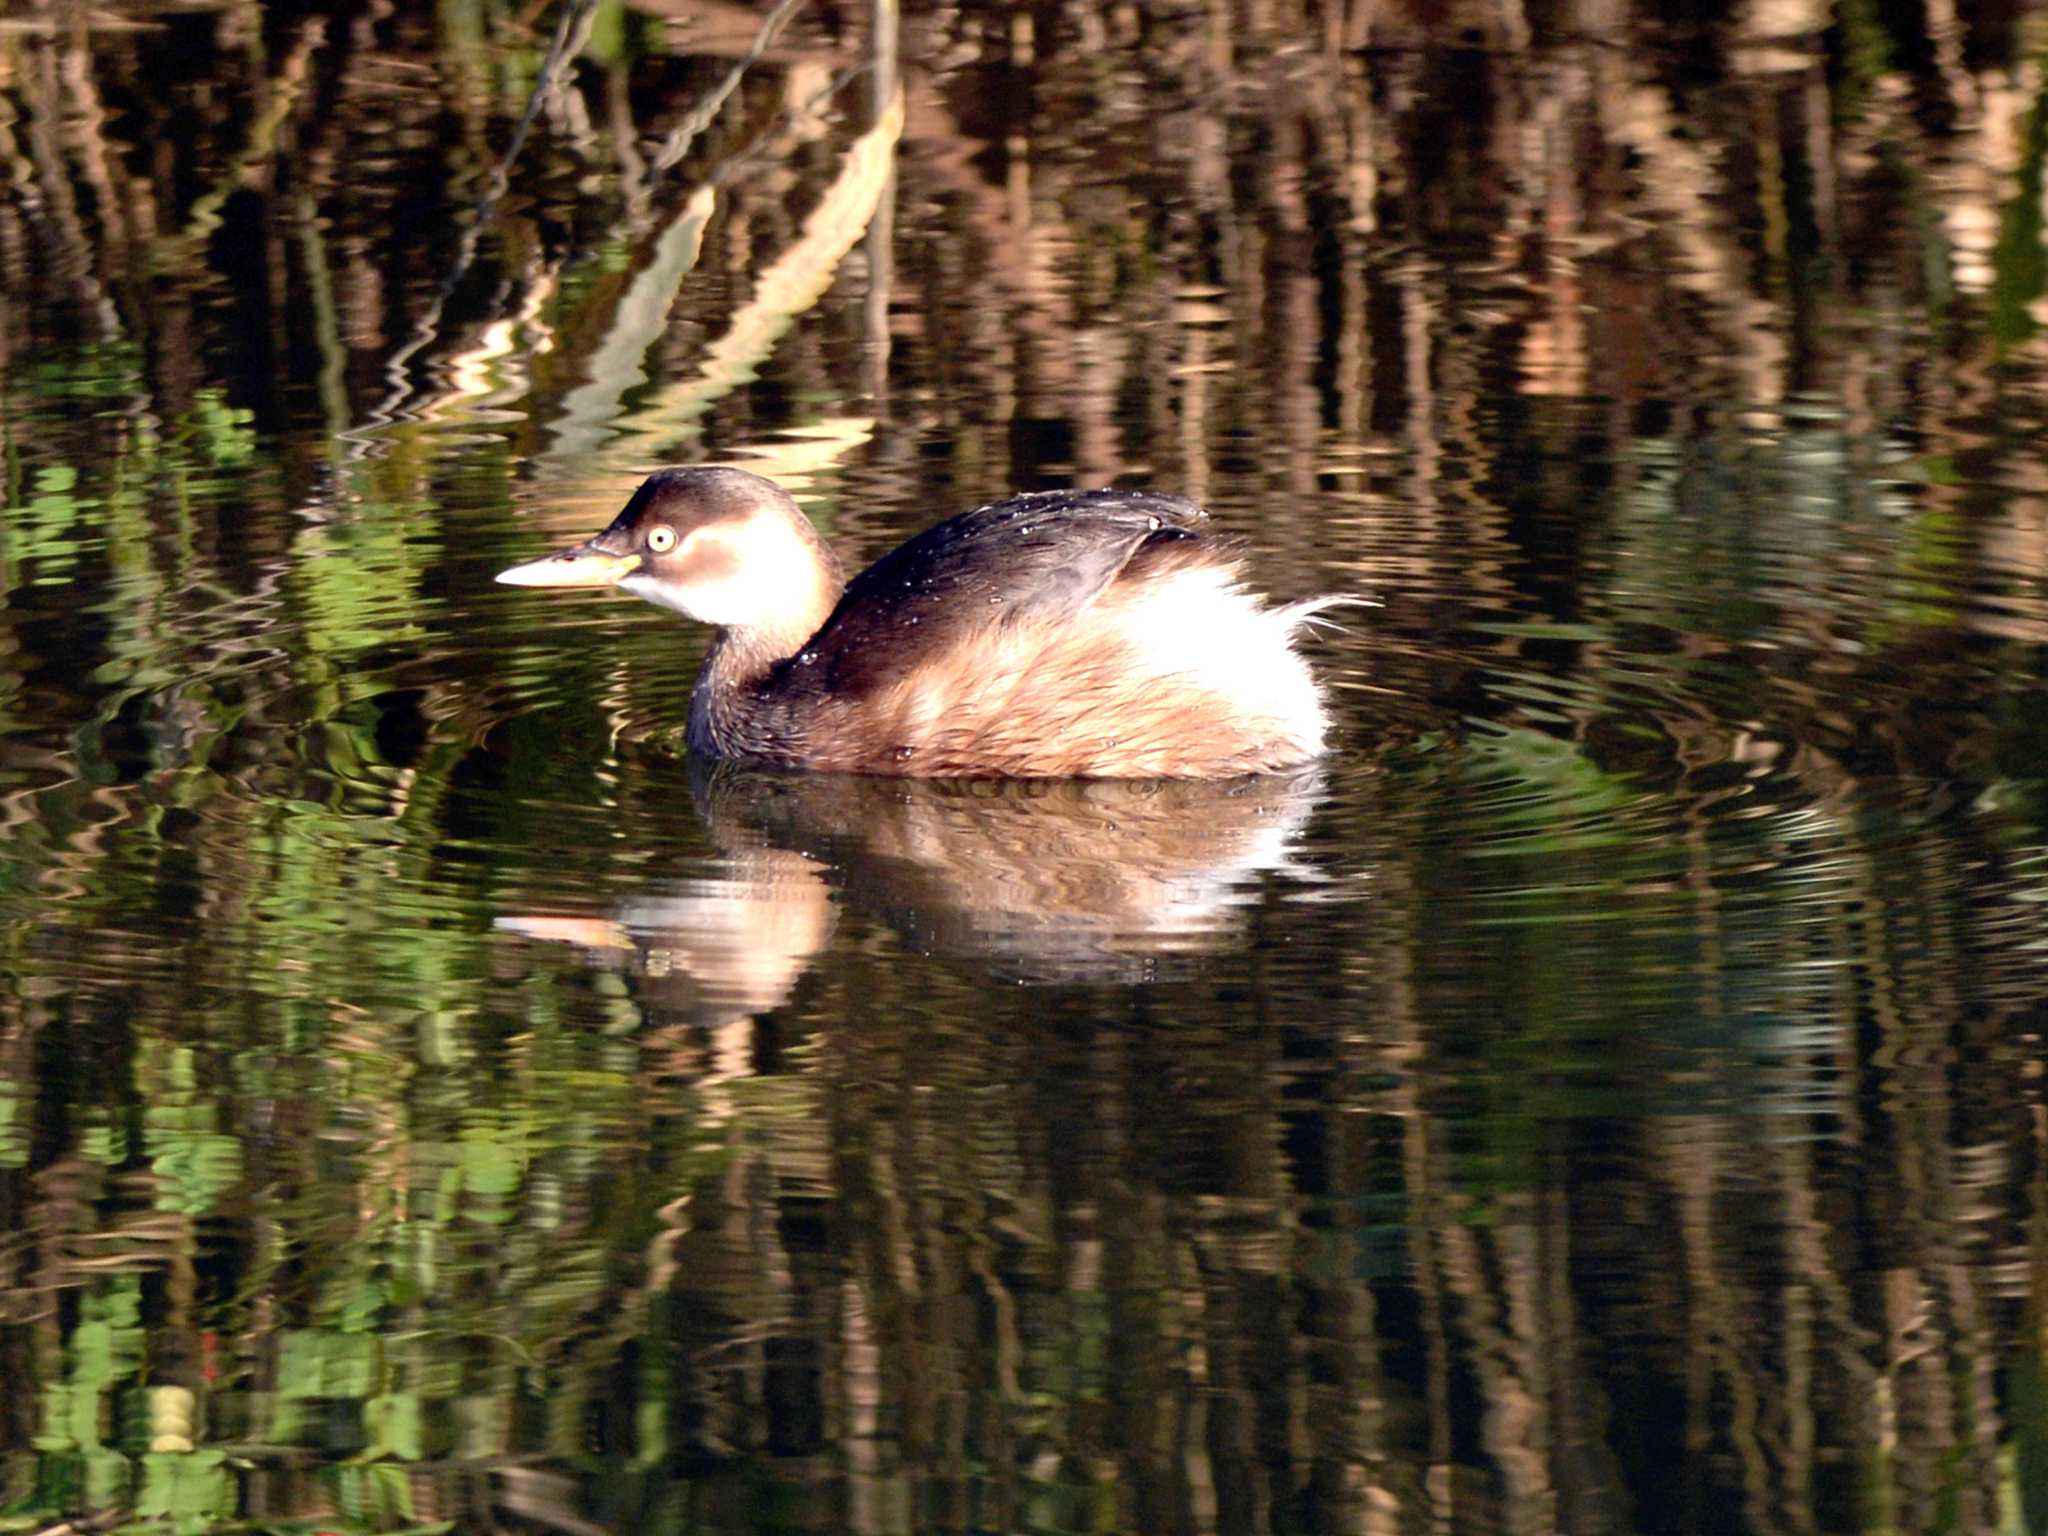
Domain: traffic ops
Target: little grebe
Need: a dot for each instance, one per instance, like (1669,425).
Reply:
(1097,634)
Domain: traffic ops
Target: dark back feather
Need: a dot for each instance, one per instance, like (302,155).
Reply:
(1034,559)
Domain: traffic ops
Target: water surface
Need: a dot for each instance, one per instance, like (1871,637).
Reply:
(1604,1096)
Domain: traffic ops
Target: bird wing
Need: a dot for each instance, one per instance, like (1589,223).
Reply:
(1036,559)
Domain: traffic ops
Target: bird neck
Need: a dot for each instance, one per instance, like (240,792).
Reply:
(730,706)
(729,688)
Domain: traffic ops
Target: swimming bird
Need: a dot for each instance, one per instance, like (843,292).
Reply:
(1056,634)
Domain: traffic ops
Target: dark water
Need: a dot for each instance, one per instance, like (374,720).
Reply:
(1607,1095)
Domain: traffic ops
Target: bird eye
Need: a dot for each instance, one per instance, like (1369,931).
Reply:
(661,540)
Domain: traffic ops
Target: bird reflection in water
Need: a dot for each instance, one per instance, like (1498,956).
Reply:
(1043,881)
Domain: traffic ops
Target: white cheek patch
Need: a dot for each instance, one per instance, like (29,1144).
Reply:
(747,591)
(642,585)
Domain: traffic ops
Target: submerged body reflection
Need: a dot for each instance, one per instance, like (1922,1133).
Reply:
(1072,880)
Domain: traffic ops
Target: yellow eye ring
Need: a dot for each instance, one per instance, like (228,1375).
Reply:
(661,540)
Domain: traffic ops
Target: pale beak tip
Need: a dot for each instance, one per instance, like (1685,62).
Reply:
(583,567)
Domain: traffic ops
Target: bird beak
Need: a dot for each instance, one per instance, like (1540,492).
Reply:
(584,566)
